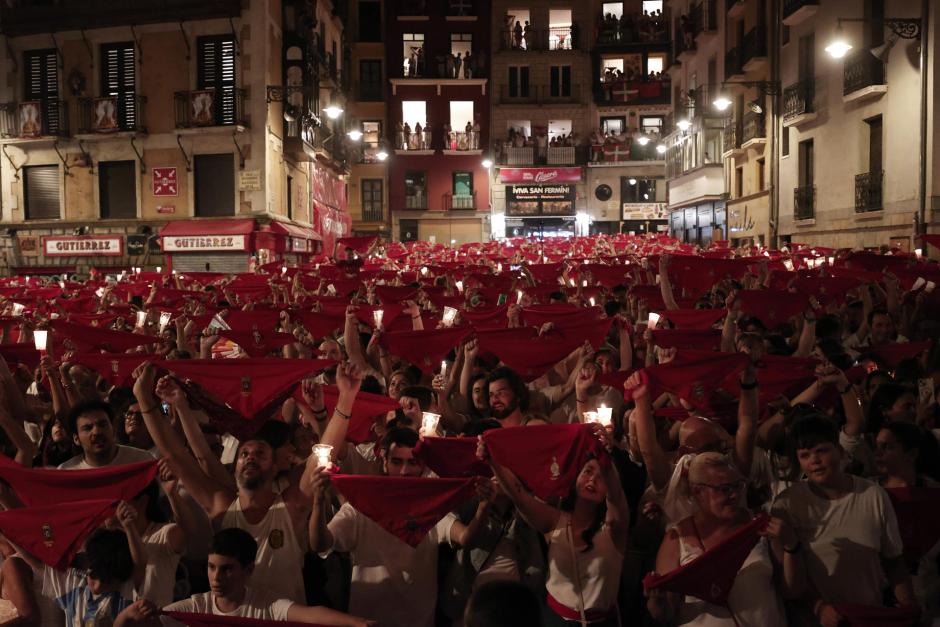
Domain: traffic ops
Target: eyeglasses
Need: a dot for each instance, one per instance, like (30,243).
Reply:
(727,489)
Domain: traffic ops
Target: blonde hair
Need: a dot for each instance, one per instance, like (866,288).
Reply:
(702,462)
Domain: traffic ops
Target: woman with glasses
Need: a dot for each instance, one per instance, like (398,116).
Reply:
(716,490)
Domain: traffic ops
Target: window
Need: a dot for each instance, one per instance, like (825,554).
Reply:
(874,31)
(611,70)
(372,200)
(761,176)
(560,81)
(117,189)
(519,126)
(413,114)
(461,44)
(655,63)
(41,192)
(371,140)
(638,190)
(41,71)
(461,115)
(463,184)
(370,20)
(739,181)
(558,128)
(516,37)
(216,72)
(806,163)
(785,141)
(290,197)
(412,54)
(651,6)
(370,79)
(613,125)
(875,162)
(559,29)
(416,186)
(118,79)
(518,81)
(613,8)
(651,124)
(807,61)
(214,177)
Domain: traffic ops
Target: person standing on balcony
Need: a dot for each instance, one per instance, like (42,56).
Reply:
(468,65)
(527,35)
(419,136)
(476,134)
(517,35)
(457,63)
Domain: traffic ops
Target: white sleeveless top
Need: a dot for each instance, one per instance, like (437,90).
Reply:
(162,560)
(280,562)
(597,570)
(753,597)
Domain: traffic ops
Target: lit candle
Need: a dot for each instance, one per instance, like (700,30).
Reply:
(443,368)
(323,453)
(788,264)
(141,318)
(40,337)
(590,417)
(283,269)
(18,309)
(584,283)
(99,292)
(449,315)
(831,260)
(591,300)
(573,284)
(424,271)
(459,285)
(164,319)
(429,422)
(518,297)
(377,316)
(653,320)
(604,415)
(499,268)
(919,252)
(137,270)
(62,285)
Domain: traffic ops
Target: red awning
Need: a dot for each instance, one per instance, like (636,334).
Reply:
(237,226)
(43,270)
(295,230)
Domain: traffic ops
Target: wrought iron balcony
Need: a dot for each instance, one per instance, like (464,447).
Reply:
(755,127)
(804,202)
(733,63)
(731,137)
(111,114)
(34,119)
(519,96)
(798,99)
(205,108)
(373,214)
(406,141)
(862,69)
(754,45)
(531,39)
(463,202)
(868,188)
(634,29)
(417,199)
(704,16)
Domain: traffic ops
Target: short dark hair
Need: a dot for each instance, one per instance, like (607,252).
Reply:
(424,395)
(399,436)
(236,543)
(811,431)
(86,407)
(276,433)
(515,383)
(108,556)
(503,603)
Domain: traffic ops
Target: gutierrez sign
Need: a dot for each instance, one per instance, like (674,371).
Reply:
(83,246)
(200,243)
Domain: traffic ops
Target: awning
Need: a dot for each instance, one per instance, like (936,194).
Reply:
(228,235)
(238,226)
(295,230)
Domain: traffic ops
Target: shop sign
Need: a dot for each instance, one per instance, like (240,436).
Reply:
(166,209)
(644,211)
(202,243)
(29,246)
(300,245)
(83,246)
(165,182)
(249,181)
(542,192)
(540,175)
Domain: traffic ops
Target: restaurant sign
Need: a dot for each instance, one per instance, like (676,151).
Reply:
(83,246)
(203,243)
(540,175)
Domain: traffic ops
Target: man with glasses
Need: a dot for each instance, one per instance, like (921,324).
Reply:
(91,425)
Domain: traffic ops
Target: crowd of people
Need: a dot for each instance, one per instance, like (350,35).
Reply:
(632,28)
(460,64)
(621,430)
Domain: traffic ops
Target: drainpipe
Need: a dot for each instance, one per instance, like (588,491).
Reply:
(775,98)
(924,40)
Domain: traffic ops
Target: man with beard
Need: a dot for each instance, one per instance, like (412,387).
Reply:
(276,521)
(509,397)
(91,424)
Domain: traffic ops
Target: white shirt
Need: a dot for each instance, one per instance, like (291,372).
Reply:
(576,576)
(844,539)
(256,604)
(162,560)
(125,455)
(391,581)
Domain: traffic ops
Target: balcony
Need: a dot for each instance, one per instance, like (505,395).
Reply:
(734,69)
(414,142)
(462,143)
(632,92)
(517,155)
(863,77)
(461,202)
(203,108)
(797,11)
(868,187)
(754,49)
(539,40)
(684,37)
(35,119)
(326,145)
(613,152)
(731,137)
(633,30)
(417,200)
(100,117)
(368,152)
(562,155)
(804,202)
(798,106)
(562,38)
(755,130)
(373,214)
(28,17)
(704,18)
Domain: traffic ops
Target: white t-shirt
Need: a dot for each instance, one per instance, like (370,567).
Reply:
(69,589)
(125,455)
(391,581)
(844,539)
(162,560)
(255,605)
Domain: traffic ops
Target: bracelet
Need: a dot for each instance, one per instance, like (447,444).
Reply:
(341,414)
(749,386)
(794,550)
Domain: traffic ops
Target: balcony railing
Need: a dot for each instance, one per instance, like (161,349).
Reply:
(460,201)
(519,39)
(733,63)
(561,155)
(416,200)
(862,69)
(684,35)
(34,119)
(531,39)
(617,152)
(633,28)
(798,99)
(868,188)
(462,141)
(518,155)
(754,45)
(704,17)
(111,114)
(792,6)
(411,140)
(731,136)
(804,202)
(373,214)
(205,107)
(755,127)
(633,92)
(562,38)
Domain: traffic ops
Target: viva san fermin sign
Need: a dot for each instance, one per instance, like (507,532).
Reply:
(542,192)
(83,246)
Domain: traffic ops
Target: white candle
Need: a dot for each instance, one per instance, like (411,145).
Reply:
(424,271)
(323,453)
(653,320)
(459,285)
(99,292)
(518,297)
(919,252)
(443,368)
(831,260)
(429,422)
(591,417)
(159,269)
(591,300)
(499,268)
(164,319)
(584,283)
(18,309)
(40,337)
(604,414)
(788,264)
(141,318)
(283,269)
(62,285)
(450,314)
(377,316)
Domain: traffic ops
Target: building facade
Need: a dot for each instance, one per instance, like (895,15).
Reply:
(199,143)
(437,66)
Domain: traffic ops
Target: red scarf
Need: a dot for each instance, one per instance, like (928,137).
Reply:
(262,319)
(594,332)
(40,486)
(55,533)
(866,616)
(532,358)
(390,294)
(95,338)
(826,289)
(258,344)
(390,313)
(693,319)
(896,352)
(559,315)
(546,458)
(101,320)
(918,512)
(452,457)
(485,315)
(932,239)
(711,575)
(359,244)
(364,411)
(424,349)
(704,340)
(247,385)
(115,368)
(320,325)
(406,507)
(772,307)
(698,274)
(209,620)
(693,375)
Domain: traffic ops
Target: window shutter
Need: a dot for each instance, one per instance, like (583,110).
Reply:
(555,81)
(513,82)
(41,188)
(524,81)
(119,78)
(216,70)
(565,80)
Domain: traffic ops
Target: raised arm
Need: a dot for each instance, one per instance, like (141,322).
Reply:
(653,455)
(351,339)
(665,285)
(541,516)
(348,380)
(746,434)
(315,482)
(127,516)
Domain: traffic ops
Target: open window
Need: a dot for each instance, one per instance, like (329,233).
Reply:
(412,45)
(518,30)
(559,29)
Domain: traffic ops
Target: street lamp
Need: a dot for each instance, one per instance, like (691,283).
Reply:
(903,28)
(839,46)
(381,155)
(643,140)
(683,125)
(487,163)
(661,149)
(355,134)
(333,111)
(722,103)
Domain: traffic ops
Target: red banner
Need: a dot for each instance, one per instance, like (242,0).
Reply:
(331,224)
(540,175)
(328,212)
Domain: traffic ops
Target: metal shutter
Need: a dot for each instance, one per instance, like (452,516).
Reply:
(41,72)
(41,192)
(218,262)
